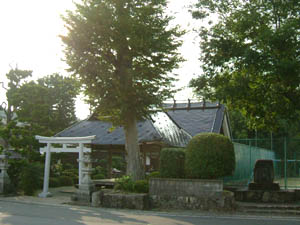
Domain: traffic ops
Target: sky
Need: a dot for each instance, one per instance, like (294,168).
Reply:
(30,40)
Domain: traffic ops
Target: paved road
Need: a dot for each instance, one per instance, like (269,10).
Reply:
(15,213)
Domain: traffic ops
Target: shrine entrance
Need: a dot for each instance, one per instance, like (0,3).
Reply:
(68,144)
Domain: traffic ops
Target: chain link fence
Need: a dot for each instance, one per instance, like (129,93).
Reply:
(284,152)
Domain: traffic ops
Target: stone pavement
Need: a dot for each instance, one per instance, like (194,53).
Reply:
(61,195)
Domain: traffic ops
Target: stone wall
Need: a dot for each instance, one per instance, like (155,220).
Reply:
(112,199)
(170,194)
(189,194)
(185,187)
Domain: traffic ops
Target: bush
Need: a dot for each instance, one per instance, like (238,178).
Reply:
(54,182)
(99,170)
(119,163)
(65,181)
(124,183)
(98,176)
(154,174)
(172,163)
(75,180)
(70,172)
(209,156)
(16,166)
(141,186)
(30,178)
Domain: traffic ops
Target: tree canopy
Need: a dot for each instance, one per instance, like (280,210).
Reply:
(123,51)
(42,107)
(251,58)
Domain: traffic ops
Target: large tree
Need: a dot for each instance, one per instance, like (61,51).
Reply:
(251,58)
(123,51)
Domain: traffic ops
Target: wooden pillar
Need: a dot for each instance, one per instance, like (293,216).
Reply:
(142,150)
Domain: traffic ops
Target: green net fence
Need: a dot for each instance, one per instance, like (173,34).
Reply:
(284,152)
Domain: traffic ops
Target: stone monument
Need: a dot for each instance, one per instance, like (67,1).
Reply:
(264,176)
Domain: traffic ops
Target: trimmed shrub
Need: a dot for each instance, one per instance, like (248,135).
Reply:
(141,186)
(30,178)
(65,181)
(54,182)
(172,163)
(209,156)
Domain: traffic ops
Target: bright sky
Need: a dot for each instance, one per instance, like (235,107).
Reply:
(29,39)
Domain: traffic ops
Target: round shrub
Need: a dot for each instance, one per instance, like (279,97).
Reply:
(65,181)
(209,156)
(172,163)
(141,186)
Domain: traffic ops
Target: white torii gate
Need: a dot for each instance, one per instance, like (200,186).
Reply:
(80,141)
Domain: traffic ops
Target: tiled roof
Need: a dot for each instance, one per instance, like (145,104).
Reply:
(175,126)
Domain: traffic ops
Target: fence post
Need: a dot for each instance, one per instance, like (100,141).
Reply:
(271,141)
(250,167)
(285,165)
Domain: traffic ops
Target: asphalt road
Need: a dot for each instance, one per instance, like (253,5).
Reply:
(15,213)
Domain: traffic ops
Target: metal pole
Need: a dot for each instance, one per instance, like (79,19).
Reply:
(285,165)
(255,137)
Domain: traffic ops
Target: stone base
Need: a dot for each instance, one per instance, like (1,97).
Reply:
(265,196)
(84,194)
(264,187)
(45,195)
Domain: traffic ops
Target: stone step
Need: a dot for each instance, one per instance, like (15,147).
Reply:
(274,209)
(271,212)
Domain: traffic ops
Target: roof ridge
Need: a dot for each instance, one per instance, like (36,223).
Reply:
(178,125)
(73,125)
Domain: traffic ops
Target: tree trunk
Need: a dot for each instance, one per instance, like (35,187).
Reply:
(134,160)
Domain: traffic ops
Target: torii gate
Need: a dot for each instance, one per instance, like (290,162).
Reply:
(80,141)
